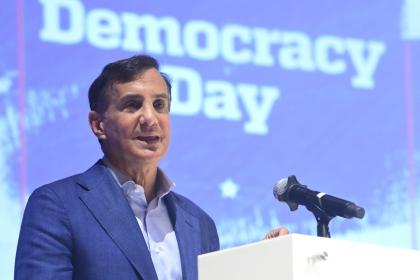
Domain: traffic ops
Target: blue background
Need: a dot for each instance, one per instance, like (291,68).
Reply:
(361,144)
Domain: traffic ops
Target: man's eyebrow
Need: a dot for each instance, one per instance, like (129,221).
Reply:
(130,97)
(162,95)
(133,96)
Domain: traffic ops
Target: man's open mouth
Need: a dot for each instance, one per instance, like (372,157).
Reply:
(149,139)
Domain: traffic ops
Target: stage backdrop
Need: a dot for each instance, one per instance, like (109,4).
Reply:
(326,90)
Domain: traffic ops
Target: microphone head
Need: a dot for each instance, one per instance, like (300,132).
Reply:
(281,191)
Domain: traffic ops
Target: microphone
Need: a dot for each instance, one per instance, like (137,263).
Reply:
(292,192)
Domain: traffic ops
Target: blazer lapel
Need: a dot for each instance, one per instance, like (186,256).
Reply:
(107,203)
(187,231)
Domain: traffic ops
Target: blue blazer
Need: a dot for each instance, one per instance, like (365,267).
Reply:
(82,227)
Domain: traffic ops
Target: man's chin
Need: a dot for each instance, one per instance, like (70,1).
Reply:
(150,154)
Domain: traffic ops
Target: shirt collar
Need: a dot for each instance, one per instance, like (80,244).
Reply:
(163,183)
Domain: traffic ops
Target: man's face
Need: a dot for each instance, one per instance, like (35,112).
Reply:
(136,123)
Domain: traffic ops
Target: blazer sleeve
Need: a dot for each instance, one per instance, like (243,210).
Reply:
(45,240)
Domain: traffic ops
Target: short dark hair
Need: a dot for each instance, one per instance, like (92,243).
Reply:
(121,71)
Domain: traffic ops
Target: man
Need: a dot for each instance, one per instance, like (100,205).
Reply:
(119,219)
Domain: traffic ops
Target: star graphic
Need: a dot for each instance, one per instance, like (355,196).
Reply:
(229,188)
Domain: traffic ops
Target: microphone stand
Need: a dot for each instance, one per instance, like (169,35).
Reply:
(322,219)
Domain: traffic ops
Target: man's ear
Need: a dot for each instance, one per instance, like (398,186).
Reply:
(97,125)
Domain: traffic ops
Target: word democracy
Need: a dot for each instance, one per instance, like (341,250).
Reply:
(203,40)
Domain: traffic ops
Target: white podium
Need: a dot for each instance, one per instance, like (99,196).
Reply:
(301,257)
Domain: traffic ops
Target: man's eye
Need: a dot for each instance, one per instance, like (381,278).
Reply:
(159,104)
(132,105)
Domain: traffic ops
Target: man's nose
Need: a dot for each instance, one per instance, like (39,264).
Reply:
(147,115)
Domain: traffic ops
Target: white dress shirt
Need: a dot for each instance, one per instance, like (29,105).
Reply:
(154,222)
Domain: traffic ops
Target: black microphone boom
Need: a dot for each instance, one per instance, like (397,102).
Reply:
(293,193)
